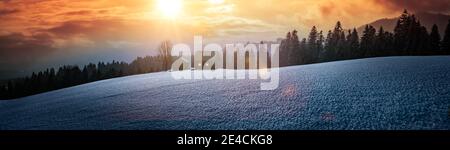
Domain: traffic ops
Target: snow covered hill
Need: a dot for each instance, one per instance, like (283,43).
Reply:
(393,93)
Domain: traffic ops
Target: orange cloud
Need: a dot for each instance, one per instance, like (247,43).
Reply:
(440,6)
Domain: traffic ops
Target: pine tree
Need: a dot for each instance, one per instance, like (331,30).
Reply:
(380,43)
(336,42)
(341,46)
(389,49)
(401,31)
(424,42)
(311,50)
(435,39)
(328,47)
(446,40)
(284,50)
(304,54)
(353,41)
(312,38)
(295,50)
(320,41)
(319,47)
(411,39)
(367,41)
(346,50)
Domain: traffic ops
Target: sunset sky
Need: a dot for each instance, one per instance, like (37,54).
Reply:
(42,33)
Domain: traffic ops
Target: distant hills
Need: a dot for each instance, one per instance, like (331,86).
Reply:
(426,19)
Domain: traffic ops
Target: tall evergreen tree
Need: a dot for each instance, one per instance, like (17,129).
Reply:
(311,50)
(312,38)
(336,42)
(424,42)
(380,43)
(353,41)
(295,50)
(320,41)
(285,50)
(446,40)
(401,31)
(328,52)
(435,39)
(411,39)
(367,41)
(320,47)
(341,47)
(389,49)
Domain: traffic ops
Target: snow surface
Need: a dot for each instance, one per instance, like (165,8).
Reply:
(391,93)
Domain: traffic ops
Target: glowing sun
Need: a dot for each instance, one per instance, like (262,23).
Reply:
(170,9)
(216,1)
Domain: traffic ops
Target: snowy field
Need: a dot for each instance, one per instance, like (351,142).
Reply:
(392,93)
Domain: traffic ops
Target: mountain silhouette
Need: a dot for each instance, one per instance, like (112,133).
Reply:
(426,19)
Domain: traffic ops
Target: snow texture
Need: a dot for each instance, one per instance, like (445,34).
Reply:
(390,93)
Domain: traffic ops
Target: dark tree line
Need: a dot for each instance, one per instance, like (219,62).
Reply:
(67,76)
(409,38)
